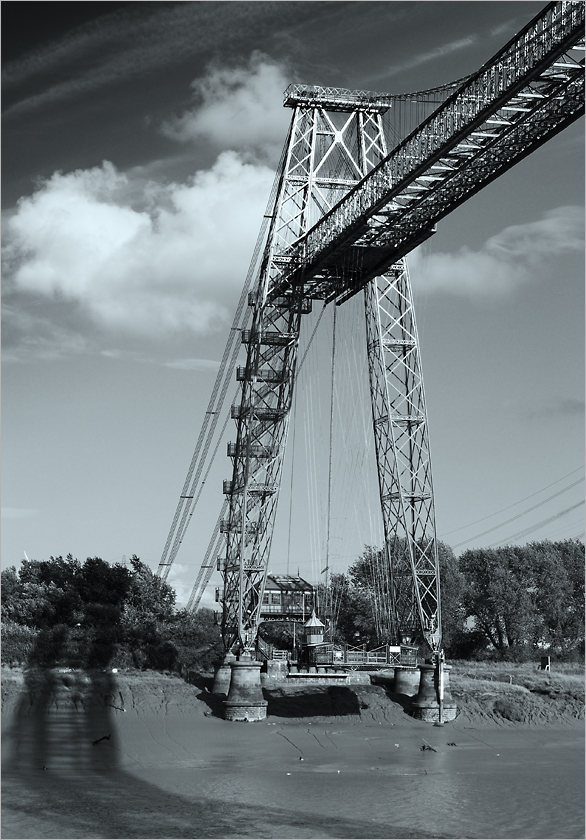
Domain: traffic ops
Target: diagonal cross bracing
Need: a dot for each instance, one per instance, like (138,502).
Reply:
(344,215)
(532,88)
(324,158)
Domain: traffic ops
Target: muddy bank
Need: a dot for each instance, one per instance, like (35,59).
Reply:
(545,699)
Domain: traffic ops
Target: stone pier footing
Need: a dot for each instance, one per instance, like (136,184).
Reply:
(425,706)
(245,701)
(223,675)
(406,681)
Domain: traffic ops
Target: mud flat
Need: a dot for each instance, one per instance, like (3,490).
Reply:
(146,755)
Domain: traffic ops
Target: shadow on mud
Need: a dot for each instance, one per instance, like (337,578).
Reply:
(215,703)
(326,701)
(403,700)
(314,701)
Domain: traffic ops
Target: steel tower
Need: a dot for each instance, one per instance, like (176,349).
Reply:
(344,213)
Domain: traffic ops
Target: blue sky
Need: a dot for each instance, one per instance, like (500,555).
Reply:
(140,141)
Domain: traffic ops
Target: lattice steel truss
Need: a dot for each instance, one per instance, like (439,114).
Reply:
(344,215)
(327,154)
(529,91)
(403,457)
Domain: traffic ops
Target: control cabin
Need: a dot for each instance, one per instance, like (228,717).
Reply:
(286,596)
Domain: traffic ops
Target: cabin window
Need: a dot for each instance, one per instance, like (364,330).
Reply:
(265,598)
(275,597)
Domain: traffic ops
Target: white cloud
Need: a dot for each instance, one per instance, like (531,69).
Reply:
(432,55)
(237,108)
(507,260)
(99,248)
(192,364)
(181,578)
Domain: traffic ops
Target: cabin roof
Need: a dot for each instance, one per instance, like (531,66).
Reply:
(287,583)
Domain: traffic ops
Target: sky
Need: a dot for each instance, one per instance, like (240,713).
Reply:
(139,147)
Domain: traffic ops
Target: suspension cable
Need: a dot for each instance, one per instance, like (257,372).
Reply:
(186,504)
(327,569)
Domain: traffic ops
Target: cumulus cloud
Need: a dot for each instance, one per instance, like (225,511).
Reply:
(237,108)
(181,578)
(507,260)
(97,248)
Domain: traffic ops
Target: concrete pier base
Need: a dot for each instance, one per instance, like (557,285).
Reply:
(406,681)
(425,706)
(245,700)
(223,675)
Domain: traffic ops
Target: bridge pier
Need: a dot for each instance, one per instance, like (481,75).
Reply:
(426,705)
(406,681)
(245,700)
(223,675)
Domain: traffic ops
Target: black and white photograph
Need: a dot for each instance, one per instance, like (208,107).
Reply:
(261,577)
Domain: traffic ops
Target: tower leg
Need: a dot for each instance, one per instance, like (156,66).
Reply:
(403,458)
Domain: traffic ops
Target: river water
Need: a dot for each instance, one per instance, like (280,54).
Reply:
(508,783)
(185,776)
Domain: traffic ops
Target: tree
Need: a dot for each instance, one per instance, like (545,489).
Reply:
(196,638)
(149,598)
(42,593)
(452,585)
(500,596)
(23,603)
(557,574)
(370,583)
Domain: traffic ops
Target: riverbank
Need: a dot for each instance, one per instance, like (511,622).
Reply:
(144,755)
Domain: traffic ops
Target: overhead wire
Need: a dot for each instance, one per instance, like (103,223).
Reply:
(539,525)
(519,515)
(508,507)
(565,529)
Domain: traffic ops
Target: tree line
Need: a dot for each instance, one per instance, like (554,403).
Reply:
(512,602)
(95,615)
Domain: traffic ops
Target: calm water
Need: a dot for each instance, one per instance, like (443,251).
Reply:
(510,784)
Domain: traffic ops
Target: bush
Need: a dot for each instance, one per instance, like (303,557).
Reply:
(466,644)
(161,657)
(18,643)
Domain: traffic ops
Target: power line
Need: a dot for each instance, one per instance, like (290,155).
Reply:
(570,526)
(539,525)
(519,515)
(508,507)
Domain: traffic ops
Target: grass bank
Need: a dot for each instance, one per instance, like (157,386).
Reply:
(518,692)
